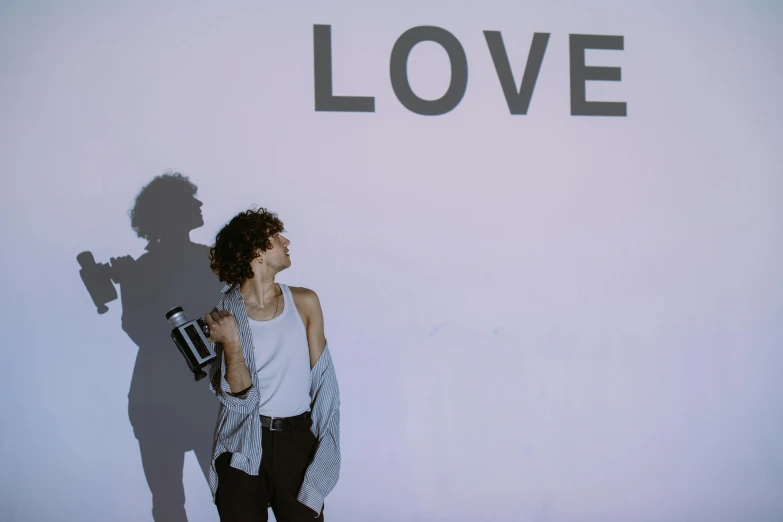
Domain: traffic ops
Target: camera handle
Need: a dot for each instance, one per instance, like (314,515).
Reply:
(204,326)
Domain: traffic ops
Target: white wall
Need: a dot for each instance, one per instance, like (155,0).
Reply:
(542,317)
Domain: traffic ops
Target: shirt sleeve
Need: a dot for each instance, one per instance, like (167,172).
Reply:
(324,469)
(244,402)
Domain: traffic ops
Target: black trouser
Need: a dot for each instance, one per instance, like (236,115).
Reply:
(284,460)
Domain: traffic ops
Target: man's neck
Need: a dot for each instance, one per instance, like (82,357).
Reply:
(259,291)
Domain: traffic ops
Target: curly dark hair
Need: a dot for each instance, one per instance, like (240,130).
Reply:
(237,243)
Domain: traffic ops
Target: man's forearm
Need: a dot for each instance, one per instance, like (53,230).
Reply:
(237,374)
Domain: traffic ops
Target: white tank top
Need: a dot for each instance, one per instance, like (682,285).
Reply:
(282,361)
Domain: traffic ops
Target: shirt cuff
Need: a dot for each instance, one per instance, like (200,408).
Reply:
(310,497)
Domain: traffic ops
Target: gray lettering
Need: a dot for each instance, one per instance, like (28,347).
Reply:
(398,68)
(325,100)
(580,73)
(518,101)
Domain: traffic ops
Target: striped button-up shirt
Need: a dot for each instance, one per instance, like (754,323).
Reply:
(238,428)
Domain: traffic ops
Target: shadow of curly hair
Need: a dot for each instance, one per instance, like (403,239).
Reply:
(157,205)
(237,244)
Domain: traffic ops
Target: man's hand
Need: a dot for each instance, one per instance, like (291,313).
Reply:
(223,328)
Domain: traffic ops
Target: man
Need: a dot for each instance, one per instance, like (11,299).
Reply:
(277,439)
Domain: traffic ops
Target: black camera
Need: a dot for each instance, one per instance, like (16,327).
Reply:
(191,339)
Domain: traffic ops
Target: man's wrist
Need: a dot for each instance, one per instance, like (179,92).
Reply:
(233,346)
(242,393)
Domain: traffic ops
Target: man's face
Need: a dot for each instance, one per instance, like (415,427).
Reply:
(278,257)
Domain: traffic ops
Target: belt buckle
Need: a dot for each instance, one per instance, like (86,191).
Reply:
(272,424)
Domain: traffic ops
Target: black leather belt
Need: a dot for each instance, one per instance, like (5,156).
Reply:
(286,423)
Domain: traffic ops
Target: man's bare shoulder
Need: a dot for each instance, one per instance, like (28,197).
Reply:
(305,296)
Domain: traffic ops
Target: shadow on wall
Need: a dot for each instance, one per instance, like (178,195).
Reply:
(171,413)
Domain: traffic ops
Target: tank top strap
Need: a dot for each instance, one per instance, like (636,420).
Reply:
(287,295)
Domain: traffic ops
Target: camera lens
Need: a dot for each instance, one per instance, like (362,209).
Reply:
(175,310)
(176,316)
